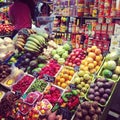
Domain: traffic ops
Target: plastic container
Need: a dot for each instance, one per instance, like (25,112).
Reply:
(107,100)
(43,106)
(31,98)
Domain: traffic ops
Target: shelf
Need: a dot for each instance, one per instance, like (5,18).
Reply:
(2,4)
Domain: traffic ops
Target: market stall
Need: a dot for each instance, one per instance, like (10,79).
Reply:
(72,73)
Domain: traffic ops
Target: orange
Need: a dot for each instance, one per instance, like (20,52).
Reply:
(61,74)
(99,63)
(66,76)
(92,55)
(92,71)
(70,77)
(97,68)
(63,85)
(89,50)
(71,72)
(98,58)
(58,83)
(91,65)
(95,63)
(93,48)
(89,59)
(62,80)
(97,51)
(57,79)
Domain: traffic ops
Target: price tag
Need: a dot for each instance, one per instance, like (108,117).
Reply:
(76,68)
(72,86)
(105,53)
(49,78)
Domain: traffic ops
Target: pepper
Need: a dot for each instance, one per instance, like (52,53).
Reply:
(56,107)
(65,96)
(74,92)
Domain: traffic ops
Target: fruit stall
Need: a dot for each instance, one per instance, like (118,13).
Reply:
(44,80)
(72,73)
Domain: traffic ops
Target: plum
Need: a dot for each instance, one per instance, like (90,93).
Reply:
(102,101)
(95,117)
(101,90)
(91,97)
(107,85)
(84,112)
(105,96)
(96,88)
(78,114)
(95,104)
(100,84)
(92,85)
(97,98)
(91,91)
(96,93)
(108,91)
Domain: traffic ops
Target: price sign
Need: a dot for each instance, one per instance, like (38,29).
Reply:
(72,86)
(76,68)
(49,78)
(105,53)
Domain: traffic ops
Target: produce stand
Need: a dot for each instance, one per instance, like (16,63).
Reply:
(72,73)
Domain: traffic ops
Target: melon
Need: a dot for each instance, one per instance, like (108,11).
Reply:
(107,73)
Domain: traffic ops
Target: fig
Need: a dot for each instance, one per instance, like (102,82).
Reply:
(91,111)
(95,117)
(98,110)
(102,101)
(87,117)
(79,114)
(101,90)
(95,104)
(84,112)
(105,96)
(92,85)
(107,85)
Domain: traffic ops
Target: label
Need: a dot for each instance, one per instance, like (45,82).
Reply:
(49,78)
(72,86)
(76,68)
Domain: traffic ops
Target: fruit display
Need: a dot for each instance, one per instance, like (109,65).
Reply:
(52,94)
(75,57)
(61,53)
(111,66)
(43,106)
(50,47)
(31,62)
(92,61)
(38,85)
(23,84)
(82,81)
(100,91)
(88,111)
(50,69)
(64,77)
(6,29)
(5,71)
(21,38)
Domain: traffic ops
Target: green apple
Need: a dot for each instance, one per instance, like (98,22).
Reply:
(77,80)
(79,86)
(81,73)
(86,76)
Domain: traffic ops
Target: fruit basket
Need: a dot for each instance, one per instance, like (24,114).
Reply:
(101,91)
(43,106)
(64,76)
(37,85)
(23,84)
(81,82)
(110,75)
(52,93)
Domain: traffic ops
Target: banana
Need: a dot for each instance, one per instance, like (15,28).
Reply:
(32,43)
(21,40)
(20,43)
(30,49)
(19,46)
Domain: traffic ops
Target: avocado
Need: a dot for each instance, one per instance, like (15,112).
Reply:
(42,59)
(33,64)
